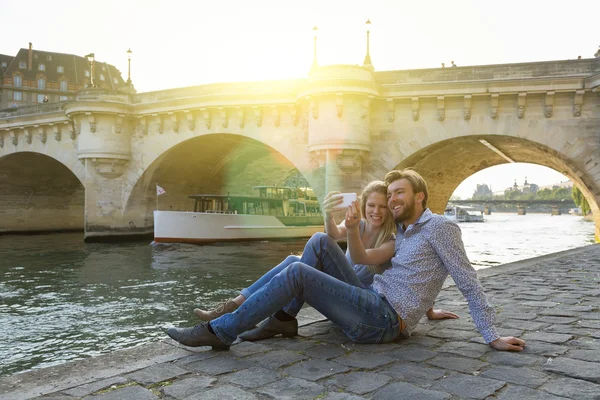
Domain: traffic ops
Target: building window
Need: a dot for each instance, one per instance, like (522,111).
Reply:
(17,81)
(22,64)
(4,65)
(18,96)
(60,69)
(35,56)
(64,86)
(63,98)
(40,98)
(116,81)
(49,58)
(87,73)
(101,77)
(41,84)
(41,67)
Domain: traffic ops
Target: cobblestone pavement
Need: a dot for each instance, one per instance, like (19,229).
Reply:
(553,302)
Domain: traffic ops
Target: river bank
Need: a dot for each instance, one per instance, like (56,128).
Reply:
(553,302)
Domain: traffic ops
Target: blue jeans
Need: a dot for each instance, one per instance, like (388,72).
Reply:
(323,253)
(363,314)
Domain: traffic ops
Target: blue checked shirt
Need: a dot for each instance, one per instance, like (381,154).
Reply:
(426,253)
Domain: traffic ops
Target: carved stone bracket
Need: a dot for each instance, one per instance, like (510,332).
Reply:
(240,112)
(14,138)
(578,102)
(28,135)
(365,107)
(109,167)
(1,141)
(294,114)
(415,108)
(275,115)
(318,158)
(494,106)
(159,122)
(467,107)
(91,121)
(521,103)
(314,107)
(119,124)
(55,132)
(349,160)
(42,132)
(224,117)
(206,117)
(191,120)
(143,125)
(391,109)
(257,115)
(441,110)
(174,122)
(549,104)
(339,104)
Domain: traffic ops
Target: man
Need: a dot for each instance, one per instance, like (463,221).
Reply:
(396,300)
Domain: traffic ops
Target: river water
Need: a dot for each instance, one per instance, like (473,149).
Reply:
(61,299)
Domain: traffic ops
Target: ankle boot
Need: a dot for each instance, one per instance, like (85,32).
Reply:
(223,308)
(197,336)
(271,327)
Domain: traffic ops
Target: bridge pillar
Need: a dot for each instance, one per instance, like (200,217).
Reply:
(487,210)
(104,147)
(521,210)
(339,134)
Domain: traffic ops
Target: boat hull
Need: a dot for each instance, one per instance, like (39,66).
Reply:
(197,227)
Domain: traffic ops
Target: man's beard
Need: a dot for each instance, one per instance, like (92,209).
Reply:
(407,213)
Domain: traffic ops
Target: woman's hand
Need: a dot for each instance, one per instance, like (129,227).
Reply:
(440,314)
(353,215)
(331,200)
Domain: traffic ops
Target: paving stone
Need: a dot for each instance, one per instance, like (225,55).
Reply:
(574,368)
(559,312)
(518,315)
(325,351)
(568,330)
(539,303)
(335,337)
(183,388)
(589,324)
(585,343)
(372,348)
(572,388)
(403,390)
(513,359)
(217,366)
(292,389)
(413,353)
(557,320)
(359,382)
(252,377)
(526,325)
(460,364)
(520,376)
(544,349)
(313,370)
(314,330)
(509,332)
(452,334)
(468,386)
(294,344)
(585,355)
(128,392)
(415,373)
(548,337)
(342,396)
(225,392)
(93,387)
(425,341)
(156,373)
(463,324)
(276,359)
(364,360)
(247,348)
(471,350)
(513,392)
(197,357)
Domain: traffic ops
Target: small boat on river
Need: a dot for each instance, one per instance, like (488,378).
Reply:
(277,212)
(463,214)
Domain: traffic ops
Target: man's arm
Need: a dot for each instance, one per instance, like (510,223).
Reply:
(447,243)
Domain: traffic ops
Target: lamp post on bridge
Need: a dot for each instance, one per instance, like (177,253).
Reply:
(315,31)
(91,60)
(129,67)
(367,62)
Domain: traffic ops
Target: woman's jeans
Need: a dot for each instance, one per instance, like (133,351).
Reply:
(331,287)
(319,246)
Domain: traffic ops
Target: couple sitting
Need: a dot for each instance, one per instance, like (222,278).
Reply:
(369,302)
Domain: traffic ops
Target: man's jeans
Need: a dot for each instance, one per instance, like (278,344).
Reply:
(331,288)
(323,253)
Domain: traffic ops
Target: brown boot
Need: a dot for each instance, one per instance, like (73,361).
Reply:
(223,308)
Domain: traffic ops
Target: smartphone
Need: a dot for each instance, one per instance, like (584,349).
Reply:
(348,199)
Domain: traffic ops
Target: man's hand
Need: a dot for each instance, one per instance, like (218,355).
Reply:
(508,343)
(440,314)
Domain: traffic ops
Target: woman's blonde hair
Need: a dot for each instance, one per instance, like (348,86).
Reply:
(388,230)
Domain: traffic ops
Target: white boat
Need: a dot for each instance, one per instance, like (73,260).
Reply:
(278,212)
(463,214)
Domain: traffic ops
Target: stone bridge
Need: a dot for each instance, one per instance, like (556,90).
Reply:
(92,164)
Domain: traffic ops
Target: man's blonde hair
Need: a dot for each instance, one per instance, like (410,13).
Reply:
(416,181)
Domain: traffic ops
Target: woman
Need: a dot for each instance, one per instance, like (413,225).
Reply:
(376,229)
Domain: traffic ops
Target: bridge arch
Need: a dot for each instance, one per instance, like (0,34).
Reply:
(216,163)
(39,193)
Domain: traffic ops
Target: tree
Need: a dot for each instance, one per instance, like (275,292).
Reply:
(580,200)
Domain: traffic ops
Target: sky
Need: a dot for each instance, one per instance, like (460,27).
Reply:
(179,43)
